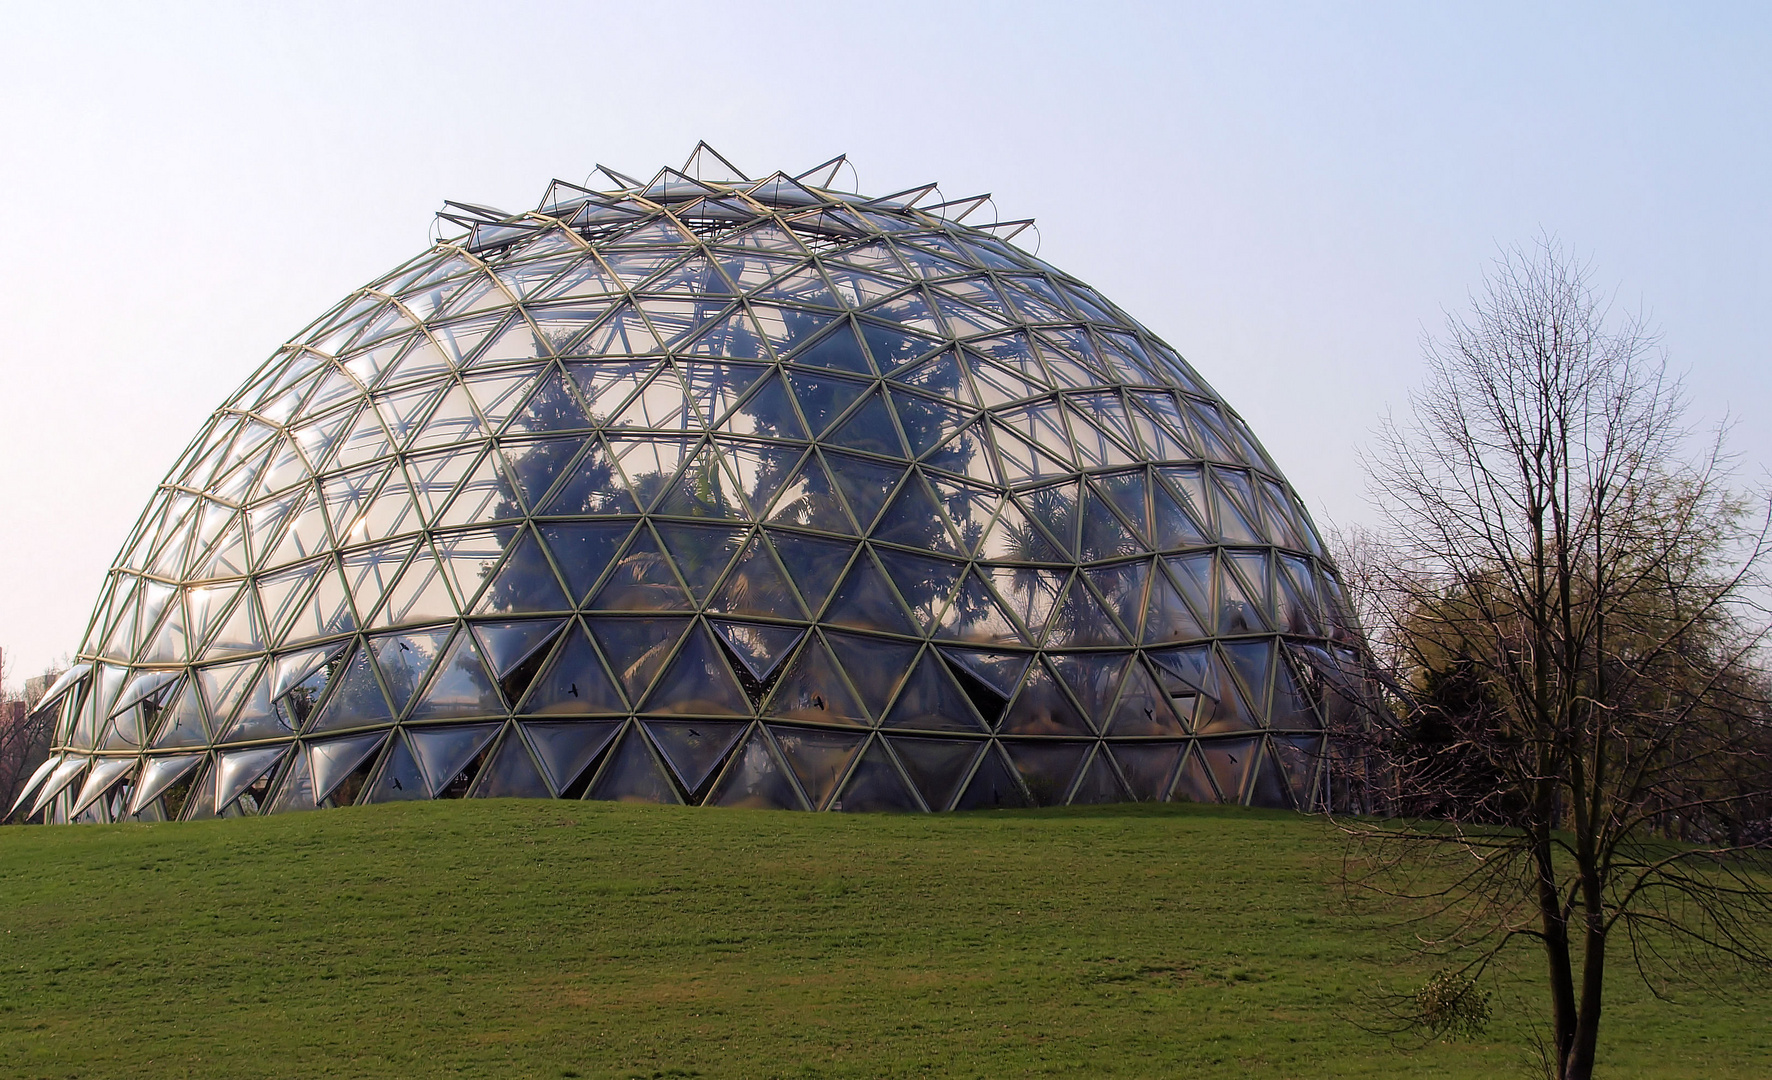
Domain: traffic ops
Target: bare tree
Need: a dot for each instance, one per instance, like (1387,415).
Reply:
(1562,608)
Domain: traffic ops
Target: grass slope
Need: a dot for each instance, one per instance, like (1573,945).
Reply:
(536,939)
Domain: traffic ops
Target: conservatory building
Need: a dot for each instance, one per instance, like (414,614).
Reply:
(718,490)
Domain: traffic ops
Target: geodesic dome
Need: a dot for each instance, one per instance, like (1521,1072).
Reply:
(711,490)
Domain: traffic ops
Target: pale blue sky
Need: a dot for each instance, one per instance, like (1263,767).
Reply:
(1286,193)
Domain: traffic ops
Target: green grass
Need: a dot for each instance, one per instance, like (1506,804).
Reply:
(536,939)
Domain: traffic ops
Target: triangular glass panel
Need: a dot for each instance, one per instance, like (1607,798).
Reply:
(927,423)
(507,645)
(1194,574)
(637,648)
(788,328)
(1299,609)
(1095,447)
(699,682)
(461,686)
(332,760)
(893,348)
(936,766)
(865,601)
(574,682)
(404,661)
(1234,521)
(327,610)
(434,476)
(756,777)
(993,785)
(662,405)
(694,748)
(399,779)
(445,751)
(1047,767)
(734,336)
(932,701)
(536,464)
(810,500)
(941,375)
(1226,709)
(1080,620)
(866,485)
(1168,617)
(511,773)
(1291,709)
(1043,708)
(236,770)
(356,700)
(1251,660)
(703,490)
(1094,679)
(1229,761)
(1099,783)
(158,774)
(813,564)
(525,583)
(550,408)
(756,586)
(1149,767)
(650,464)
(486,495)
(819,759)
(370,571)
(823,398)
(1122,587)
(875,785)
(874,665)
(924,584)
(1105,536)
(713,388)
(181,724)
(587,278)
(914,520)
(1174,526)
(812,689)
(468,558)
(622,333)
(607,385)
(566,749)
(1144,708)
(632,773)
(839,350)
(768,413)
(642,580)
(454,421)
(1238,613)
(583,550)
(805,286)
(760,648)
(591,486)
(1251,568)
(869,428)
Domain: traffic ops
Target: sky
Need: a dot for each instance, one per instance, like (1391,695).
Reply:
(1289,194)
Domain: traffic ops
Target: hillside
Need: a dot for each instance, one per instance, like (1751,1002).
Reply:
(538,939)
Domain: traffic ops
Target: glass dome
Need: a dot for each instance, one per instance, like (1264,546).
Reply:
(711,490)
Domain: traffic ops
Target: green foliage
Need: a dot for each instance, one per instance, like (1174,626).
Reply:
(540,939)
(1451,1006)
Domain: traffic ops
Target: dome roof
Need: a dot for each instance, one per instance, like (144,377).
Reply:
(710,489)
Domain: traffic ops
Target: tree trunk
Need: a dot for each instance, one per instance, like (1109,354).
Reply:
(1556,951)
(1578,1063)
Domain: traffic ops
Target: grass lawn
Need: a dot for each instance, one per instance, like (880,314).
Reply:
(546,939)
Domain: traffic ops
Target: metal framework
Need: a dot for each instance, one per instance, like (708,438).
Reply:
(713,490)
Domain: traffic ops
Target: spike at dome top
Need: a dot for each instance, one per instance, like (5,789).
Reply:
(709,190)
